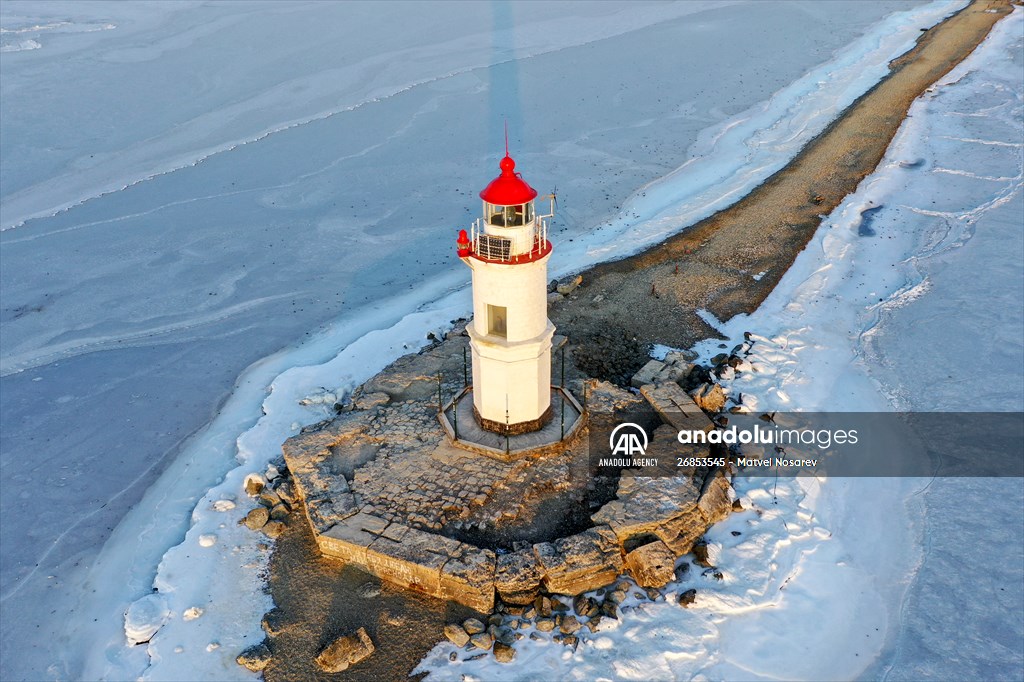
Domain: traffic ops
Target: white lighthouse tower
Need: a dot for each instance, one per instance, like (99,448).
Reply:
(510,335)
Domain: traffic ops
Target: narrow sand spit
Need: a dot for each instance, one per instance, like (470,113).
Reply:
(713,264)
(716,265)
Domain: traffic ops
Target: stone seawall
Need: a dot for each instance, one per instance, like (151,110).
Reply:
(449,569)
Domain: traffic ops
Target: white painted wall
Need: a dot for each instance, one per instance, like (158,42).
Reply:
(514,375)
(511,374)
(522,288)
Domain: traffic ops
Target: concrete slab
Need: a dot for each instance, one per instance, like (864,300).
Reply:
(676,407)
(349,539)
(325,511)
(414,562)
(647,373)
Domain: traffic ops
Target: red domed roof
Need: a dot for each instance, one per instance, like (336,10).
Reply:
(509,188)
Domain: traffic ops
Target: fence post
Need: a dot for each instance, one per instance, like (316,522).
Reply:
(561,396)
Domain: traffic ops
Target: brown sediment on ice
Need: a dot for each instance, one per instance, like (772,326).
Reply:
(653,296)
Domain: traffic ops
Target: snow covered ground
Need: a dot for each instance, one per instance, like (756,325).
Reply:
(214,204)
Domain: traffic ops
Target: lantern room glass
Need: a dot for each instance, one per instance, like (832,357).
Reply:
(508,216)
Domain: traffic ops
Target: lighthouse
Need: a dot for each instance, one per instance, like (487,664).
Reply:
(507,250)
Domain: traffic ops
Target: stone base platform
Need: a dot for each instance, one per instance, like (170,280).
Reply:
(385,488)
(460,423)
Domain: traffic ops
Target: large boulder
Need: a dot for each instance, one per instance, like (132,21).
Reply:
(285,490)
(345,651)
(473,626)
(503,653)
(585,606)
(273,622)
(482,640)
(716,501)
(257,518)
(567,285)
(274,529)
(254,484)
(255,658)
(456,634)
(709,397)
(680,357)
(652,565)
(569,625)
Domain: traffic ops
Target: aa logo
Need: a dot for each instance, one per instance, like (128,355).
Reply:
(628,439)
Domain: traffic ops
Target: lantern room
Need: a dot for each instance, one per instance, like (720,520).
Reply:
(510,229)
(508,216)
(508,200)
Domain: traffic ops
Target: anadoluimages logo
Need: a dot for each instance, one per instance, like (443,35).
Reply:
(628,439)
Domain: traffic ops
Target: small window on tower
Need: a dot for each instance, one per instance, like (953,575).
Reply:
(496,320)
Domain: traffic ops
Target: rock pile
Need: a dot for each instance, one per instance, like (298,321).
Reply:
(611,354)
(547,617)
(275,495)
